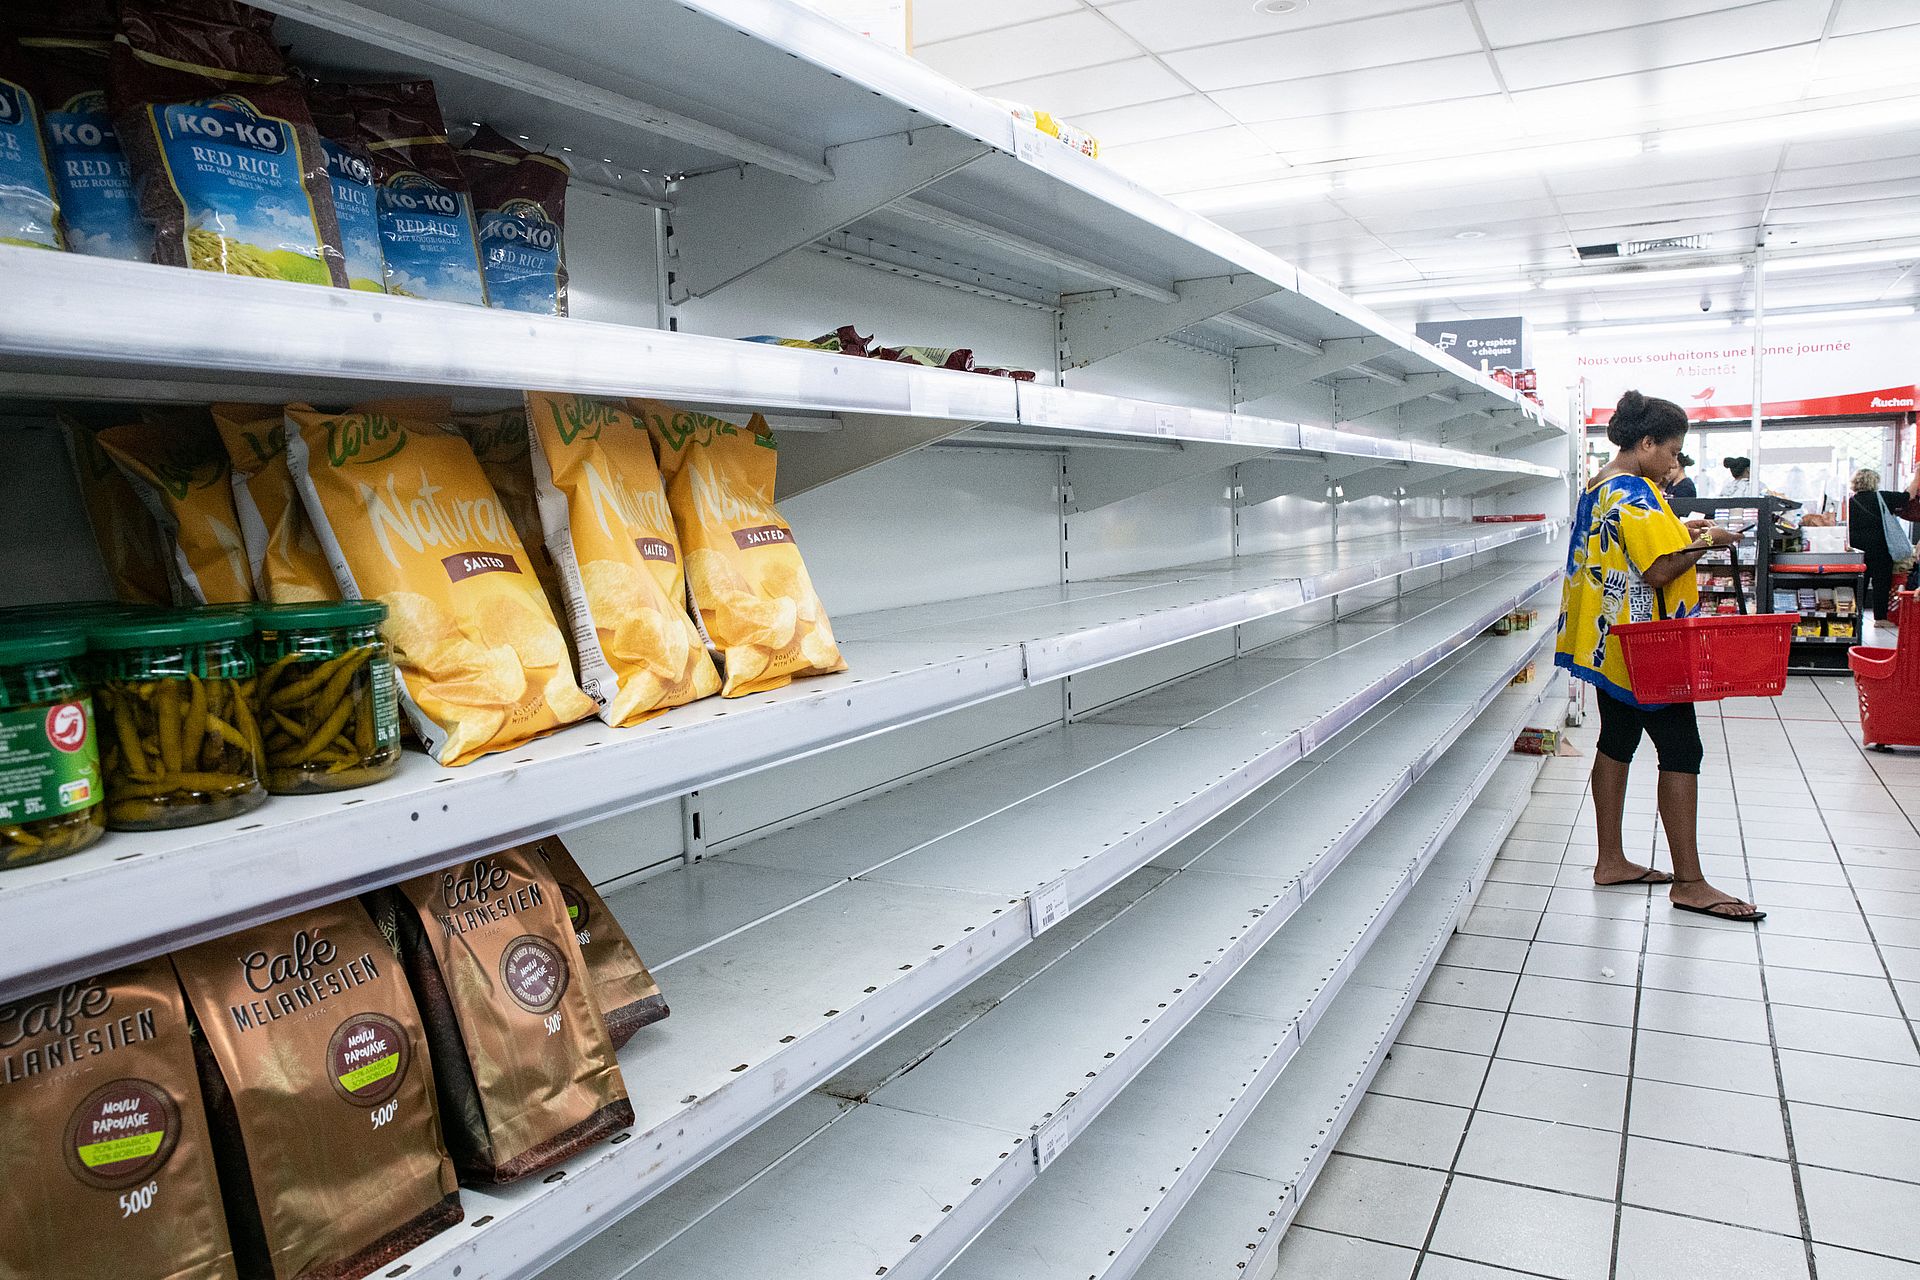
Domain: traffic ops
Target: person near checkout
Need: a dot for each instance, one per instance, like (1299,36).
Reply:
(1678,483)
(1745,483)
(1867,512)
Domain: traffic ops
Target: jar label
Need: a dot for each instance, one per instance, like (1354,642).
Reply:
(386,705)
(49,762)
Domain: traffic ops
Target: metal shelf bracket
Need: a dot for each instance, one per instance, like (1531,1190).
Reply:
(1098,325)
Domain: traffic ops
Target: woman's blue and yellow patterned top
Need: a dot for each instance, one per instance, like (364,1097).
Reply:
(1620,528)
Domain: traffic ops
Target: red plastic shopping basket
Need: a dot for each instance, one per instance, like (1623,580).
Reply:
(1709,657)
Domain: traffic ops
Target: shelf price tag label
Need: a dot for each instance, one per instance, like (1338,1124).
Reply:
(1053,1136)
(1029,144)
(1047,906)
(1166,419)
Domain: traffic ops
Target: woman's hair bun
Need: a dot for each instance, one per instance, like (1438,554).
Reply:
(1640,417)
(1632,404)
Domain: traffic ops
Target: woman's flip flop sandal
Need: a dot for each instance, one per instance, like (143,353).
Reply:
(1753,914)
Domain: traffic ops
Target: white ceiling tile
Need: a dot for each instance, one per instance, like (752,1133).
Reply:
(1657,168)
(1441,223)
(1842,175)
(1880,60)
(1164,25)
(1073,94)
(1877,146)
(1510,22)
(1197,160)
(1433,80)
(1320,51)
(1351,134)
(1673,44)
(1904,189)
(1793,229)
(938,20)
(1625,102)
(1050,45)
(1488,193)
(1679,197)
(1856,16)
(1152,120)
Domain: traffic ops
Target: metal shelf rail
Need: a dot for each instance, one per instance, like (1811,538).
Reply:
(1058,1068)
(797,952)
(149,893)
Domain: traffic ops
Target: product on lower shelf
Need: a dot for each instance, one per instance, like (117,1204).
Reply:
(1809,630)
(611,536)
(182,475)
(1844,600)
(52,800)
(756,605)
(407,517)
(228,165)
(104,1147)
(1785,601)
(628,996)
(1808,600)
(1537,742)
(131,547)
(1841,630)
(283,555)
(521,1056)
(314,1067)
(325,698)
(1824,599)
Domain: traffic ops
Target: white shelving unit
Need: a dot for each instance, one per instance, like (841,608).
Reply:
(1150,791)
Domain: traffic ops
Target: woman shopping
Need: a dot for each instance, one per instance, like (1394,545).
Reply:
(1632,560)
(1876,529)
(1744,483)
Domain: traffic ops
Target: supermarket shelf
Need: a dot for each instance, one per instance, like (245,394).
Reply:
(1242,1208)
(1034,1059)
(149,893)
(795,953)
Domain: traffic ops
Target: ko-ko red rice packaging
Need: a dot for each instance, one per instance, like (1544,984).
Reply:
(628,996)
(104,1152)
(520,203)
(525,1068)
(229,168)
(314,1067)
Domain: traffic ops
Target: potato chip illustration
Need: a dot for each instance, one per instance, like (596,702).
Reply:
(611,535)
(405,513)
(755,601)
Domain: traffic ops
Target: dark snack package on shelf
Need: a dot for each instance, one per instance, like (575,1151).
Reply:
(521,1055)
(429,242)
(628,996)
(68,43)
(845,341)
(753,601)
(229,168)
(104,1148)
(29,213)
(520,202)
(610,532)
(314,1067)
(130,542)
(283,555)
(180,471)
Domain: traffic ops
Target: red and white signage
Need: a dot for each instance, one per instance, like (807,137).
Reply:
(1832,370)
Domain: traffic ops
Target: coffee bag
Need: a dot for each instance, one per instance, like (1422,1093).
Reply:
(525,1069)
(104,1151)
(628,996)
(314,1068)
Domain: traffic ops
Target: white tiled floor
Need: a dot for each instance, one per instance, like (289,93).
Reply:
(1597,1087)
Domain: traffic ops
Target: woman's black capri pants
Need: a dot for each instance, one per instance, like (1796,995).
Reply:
(1675,733)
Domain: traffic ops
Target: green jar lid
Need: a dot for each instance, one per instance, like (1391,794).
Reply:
(185,626)
(42,642)
(71,612)
(320,616)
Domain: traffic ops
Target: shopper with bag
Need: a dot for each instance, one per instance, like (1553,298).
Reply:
(1632,560)
(1876,528)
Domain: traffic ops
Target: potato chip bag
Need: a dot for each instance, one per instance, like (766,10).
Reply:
(130,543)
(611,535)
(283,555)
(406,516)
(756,605)
(499,441)
(179,470)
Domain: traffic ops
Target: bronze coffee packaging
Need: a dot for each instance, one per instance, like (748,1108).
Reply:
(314,1068)
(104,1150)
(628,996)
(520,203)
(525,1069)
(225,157)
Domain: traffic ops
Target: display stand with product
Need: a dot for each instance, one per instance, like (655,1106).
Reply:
(1182,661)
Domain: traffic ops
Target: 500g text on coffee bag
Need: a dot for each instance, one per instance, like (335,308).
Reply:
(406,516)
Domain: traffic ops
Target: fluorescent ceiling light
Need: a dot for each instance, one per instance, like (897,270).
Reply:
(1902,253)
(1491,164)
(1849,313)
(1486,289)
(1663,326)
(1618,279)
(1254,195)
(1786,128)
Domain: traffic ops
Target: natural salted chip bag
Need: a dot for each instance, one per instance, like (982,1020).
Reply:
(180,472)
(755,603)
(406,517)
(610,532)
(283,554)
(131,546)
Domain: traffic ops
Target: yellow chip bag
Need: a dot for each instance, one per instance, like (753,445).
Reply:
(499,441)
(283,555)
(756,604)
(607,524)
(179,470)
(406,516)
(130,543)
